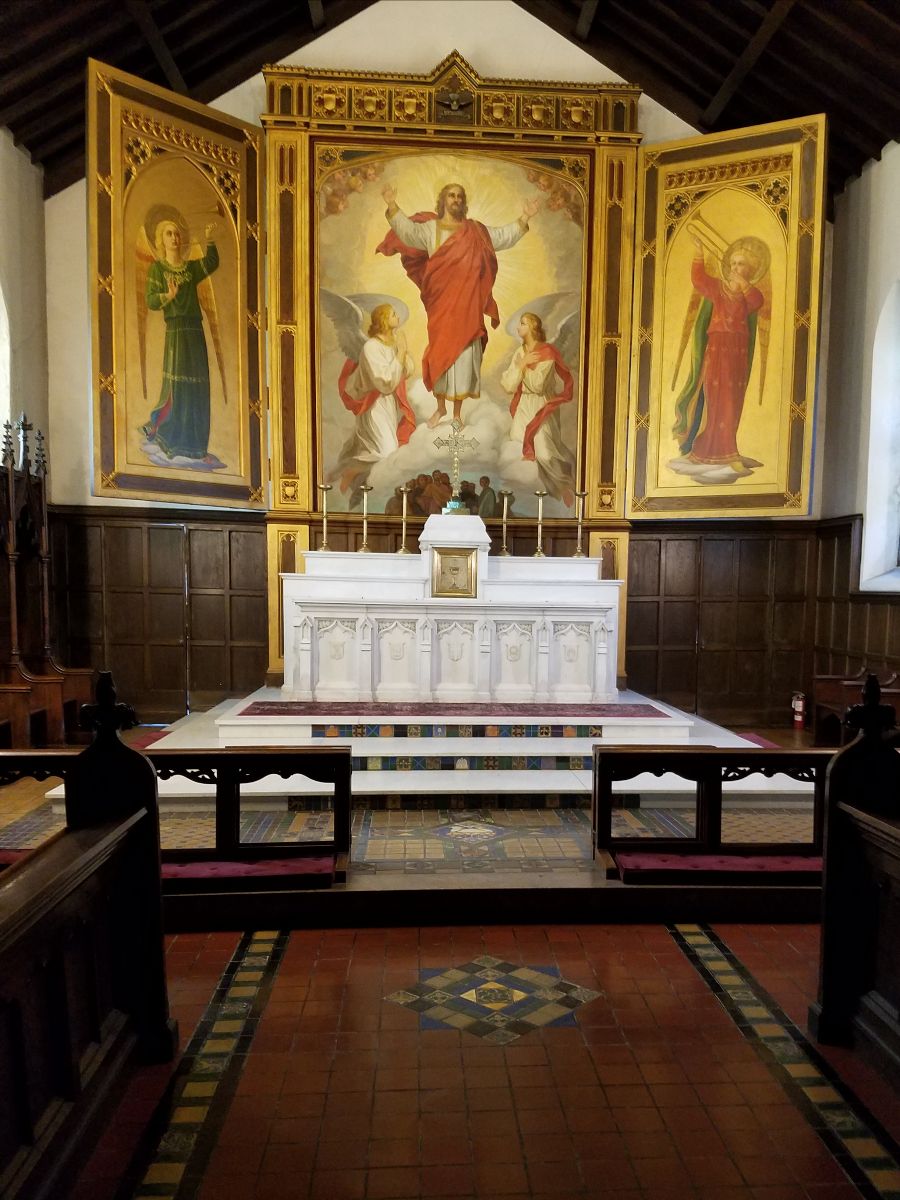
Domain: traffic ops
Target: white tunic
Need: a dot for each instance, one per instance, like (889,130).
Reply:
(540,383)
(462,378)
(375,435)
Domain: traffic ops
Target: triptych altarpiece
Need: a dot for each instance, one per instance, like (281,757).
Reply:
(637,324)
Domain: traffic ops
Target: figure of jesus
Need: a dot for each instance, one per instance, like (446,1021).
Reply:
(452,260)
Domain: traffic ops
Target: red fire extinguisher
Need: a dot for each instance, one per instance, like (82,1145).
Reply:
(798,705)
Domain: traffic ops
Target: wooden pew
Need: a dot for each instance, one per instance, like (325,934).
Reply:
(82,972)
(859,973)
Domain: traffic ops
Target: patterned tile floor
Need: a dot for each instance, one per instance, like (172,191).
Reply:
(431,840)
(678,1072)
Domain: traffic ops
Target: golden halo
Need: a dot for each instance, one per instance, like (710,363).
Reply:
(756,248)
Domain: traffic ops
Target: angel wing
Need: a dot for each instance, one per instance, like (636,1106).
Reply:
(350,316)
(143,258)
(560,314)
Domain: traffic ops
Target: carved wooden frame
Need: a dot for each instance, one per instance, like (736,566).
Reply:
(133,125)
(313,114)
(783,166)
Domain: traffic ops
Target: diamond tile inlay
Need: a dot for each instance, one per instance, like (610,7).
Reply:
(492,999)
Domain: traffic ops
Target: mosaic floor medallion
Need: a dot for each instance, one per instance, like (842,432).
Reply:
(493,999)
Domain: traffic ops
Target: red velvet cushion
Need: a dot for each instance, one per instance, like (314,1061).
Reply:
(7,857)
(637,861)
(721,869)
(260,868)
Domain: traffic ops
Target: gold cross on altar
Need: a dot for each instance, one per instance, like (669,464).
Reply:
(457,445)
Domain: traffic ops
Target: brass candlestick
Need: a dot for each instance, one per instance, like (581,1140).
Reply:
(404,492)
(365,488)
(504,549)
(579,511)
(325,488)
(539,553)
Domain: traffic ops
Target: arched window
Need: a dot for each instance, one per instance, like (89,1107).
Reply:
(881,528)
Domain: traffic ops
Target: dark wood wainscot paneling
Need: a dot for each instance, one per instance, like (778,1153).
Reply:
(720,617)
(853,629)
(173,604)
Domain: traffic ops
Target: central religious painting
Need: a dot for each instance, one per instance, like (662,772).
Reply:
(439,247)
(450,286)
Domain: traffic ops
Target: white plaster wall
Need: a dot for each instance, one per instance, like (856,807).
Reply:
(22,281)
(866,266)
(497,37)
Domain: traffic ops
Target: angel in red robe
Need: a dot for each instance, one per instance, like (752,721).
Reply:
(725,314)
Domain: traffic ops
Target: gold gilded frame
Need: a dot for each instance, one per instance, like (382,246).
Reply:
(316,117)
(135,127)
(442,558)
(775,175)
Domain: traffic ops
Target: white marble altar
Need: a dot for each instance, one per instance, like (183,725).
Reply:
(367,627)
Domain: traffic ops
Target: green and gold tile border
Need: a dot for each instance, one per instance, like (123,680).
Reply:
(182,1134)
(864,1150)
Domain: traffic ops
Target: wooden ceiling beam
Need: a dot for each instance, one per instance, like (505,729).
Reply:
(630,26)
(114,41)
(32,105)
(585,19)
(316,13)
(140,13)
(748,59)
(618,57)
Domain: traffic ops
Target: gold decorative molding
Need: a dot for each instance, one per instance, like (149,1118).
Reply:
(107,383)
(724,172)
(498,109)
(410,106)
(105,184)
(370,103)
(642,420)
(452,98)
(105,284)
(290,490)
(179,137)
(109,481)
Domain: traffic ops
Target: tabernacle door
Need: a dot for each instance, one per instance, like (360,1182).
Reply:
(175,202)
(726,321)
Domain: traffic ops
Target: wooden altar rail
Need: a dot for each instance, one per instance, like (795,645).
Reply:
(229,768)
(709,768)
(82,973)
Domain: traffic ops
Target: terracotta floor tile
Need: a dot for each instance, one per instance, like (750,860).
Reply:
(282,1159)
(338,1185)
(541,1120)
(554,1178)
(500,1178)
(438,1149)
(490,1099)
(487,1149)
(628,1096)
(713,1170)
(454,1181)
(547,1147)
(281,1187)
(644,1119)
(394,1152)
(392,1182)
(654,1174)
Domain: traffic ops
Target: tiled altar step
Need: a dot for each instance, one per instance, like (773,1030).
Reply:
(671,727)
